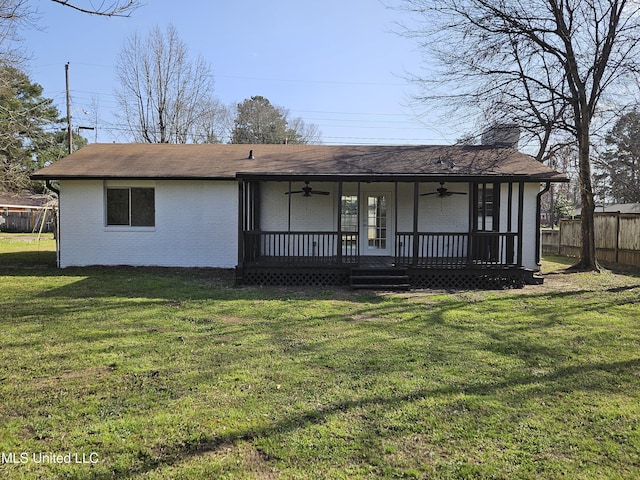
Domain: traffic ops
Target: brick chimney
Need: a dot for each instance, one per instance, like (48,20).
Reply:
(502,135)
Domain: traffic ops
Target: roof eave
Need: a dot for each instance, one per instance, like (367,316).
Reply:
(128,177)
(402,177)
(383,177)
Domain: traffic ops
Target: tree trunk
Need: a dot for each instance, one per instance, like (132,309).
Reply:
(588,260)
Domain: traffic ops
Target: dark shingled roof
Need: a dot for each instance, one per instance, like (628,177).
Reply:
(166,161)
(25,200)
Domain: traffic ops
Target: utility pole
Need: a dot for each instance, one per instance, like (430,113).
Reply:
(69,131)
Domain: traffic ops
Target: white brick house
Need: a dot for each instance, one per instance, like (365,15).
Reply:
(306,214)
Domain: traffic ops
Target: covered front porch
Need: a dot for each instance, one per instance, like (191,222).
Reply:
(432,232)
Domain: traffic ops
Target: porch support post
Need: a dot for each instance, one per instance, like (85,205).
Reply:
(288,247)
(255,206)
(358,246)
(339,243)
(483,227)
(473,219)
(289,209)
(395,226)
(509,239)
(416,189)
(241,216)
(520,220)
(509,206)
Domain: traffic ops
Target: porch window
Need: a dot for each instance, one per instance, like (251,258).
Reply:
(349,223)
(134,207)
(349,213)
(486,207)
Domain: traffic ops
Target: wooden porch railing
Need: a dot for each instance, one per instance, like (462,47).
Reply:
(425,250)
(301,247)
(456,250)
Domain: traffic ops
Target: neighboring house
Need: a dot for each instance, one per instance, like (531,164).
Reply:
(614,208)
(25,212)
(425,216)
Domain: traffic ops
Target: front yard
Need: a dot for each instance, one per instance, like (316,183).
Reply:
(162,373)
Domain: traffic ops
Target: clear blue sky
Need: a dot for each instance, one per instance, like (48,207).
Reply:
(335,63)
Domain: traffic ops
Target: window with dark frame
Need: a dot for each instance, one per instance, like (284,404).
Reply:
(486,206)
(486,203)
(131,206)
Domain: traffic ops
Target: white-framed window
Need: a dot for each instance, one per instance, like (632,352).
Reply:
(349,213)
(130,206)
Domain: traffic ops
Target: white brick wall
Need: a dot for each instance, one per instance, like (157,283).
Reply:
(196,225)
(529,234)
(448,214)
(196,221)
(319,212)
(314,213)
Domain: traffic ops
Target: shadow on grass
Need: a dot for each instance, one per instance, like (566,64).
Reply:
(15,262)
(568,264)
(386,319)
(560,380)
(170,286)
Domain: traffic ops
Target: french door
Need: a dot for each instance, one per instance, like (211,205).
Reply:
(376,213)
(373,212)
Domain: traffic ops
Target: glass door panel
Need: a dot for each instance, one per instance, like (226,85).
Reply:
(349,217)
(376,219)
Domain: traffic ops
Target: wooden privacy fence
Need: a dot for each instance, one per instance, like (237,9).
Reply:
(617,238)
(27,222)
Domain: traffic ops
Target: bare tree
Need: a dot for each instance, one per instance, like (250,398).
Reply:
(546,62)
(214,125)
(163,95)
(308,133)
(14,14)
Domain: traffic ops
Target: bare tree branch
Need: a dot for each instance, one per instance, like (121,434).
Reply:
(118,8)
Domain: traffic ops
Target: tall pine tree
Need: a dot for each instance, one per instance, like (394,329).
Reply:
(619,165)
(28,124)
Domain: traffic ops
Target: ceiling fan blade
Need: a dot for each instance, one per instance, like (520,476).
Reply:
(443,192)
(297,191)
(318,192)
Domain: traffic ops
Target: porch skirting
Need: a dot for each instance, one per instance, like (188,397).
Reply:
(298,276)
(490,279)
(420,278)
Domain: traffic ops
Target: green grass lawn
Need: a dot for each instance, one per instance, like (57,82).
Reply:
(165,373)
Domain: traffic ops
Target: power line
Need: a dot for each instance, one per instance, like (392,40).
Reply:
(321,82)
(331,139)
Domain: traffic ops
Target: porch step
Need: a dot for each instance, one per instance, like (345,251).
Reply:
(379,279)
